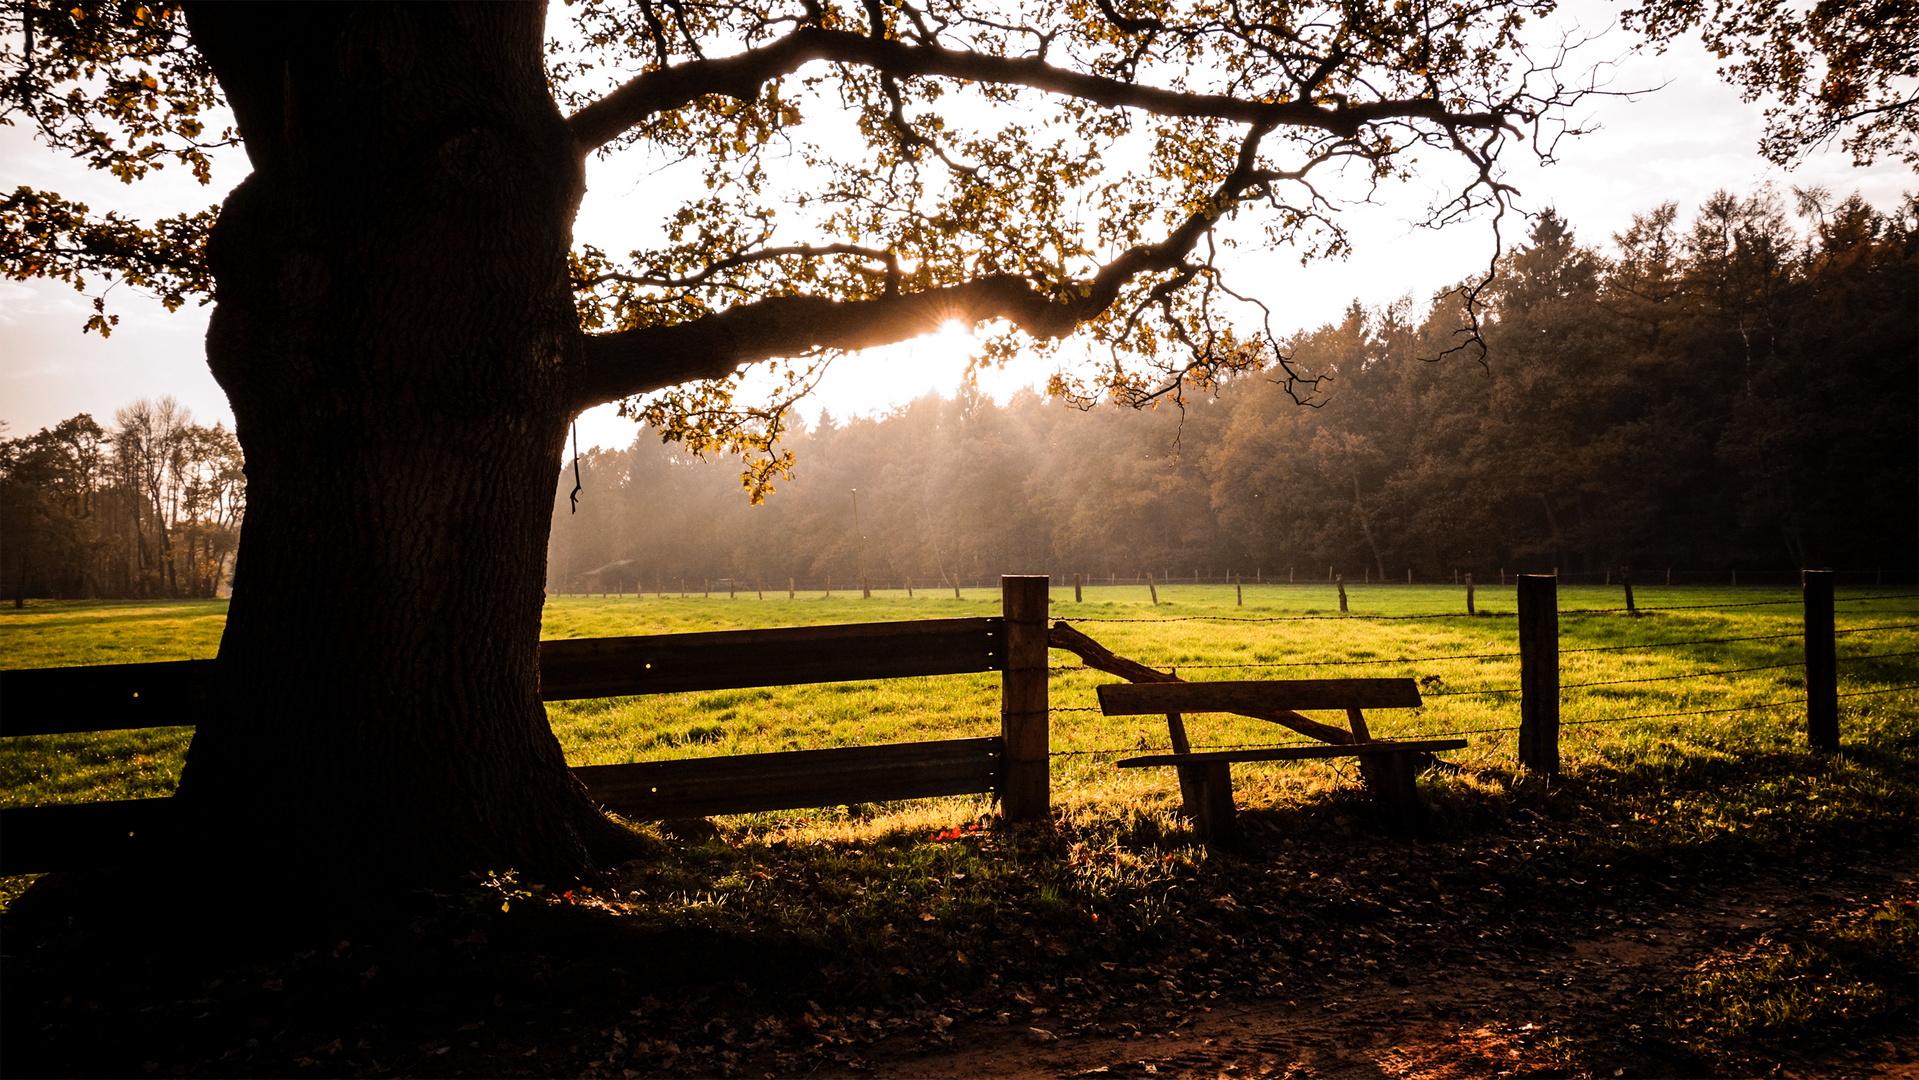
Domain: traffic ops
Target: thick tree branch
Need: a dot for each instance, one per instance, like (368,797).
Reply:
(652,358)
(741,77)
(646,359)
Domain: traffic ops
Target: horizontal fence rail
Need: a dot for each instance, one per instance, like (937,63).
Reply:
(111,697)
(749,783)
(75,835)
(103,697)
(787,656)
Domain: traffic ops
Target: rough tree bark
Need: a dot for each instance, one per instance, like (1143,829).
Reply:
(393,325)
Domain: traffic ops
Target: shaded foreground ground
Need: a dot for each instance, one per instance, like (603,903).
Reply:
(1553,934)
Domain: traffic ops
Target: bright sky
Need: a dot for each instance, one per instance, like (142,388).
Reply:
(1681,143)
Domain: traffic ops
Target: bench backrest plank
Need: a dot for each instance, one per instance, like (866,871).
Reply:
(1143,699)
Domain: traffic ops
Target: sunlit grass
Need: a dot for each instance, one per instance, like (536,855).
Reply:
(1467,666)
(1849,974)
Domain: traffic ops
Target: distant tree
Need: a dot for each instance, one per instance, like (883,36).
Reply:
(1843,71)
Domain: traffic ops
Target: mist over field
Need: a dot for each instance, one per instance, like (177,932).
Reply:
(1731,392)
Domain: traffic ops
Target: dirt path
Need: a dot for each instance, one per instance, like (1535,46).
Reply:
(1417,968)
(1583,1012)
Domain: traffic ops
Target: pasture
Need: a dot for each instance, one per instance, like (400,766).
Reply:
(1722,659)
(1656,909)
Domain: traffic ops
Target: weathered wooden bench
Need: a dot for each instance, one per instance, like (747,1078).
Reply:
(1206,781)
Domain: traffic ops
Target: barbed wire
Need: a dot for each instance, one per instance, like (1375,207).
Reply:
(1663,678)
(1727,640)
(1438,658)
(1471,615)
(1734,709)
(1742,603)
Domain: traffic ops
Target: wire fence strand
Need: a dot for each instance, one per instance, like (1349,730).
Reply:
(1349,616)
(1665,678)
(1732,709)
(1797,634)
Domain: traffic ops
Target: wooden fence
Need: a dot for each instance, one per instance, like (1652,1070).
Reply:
(1012,764)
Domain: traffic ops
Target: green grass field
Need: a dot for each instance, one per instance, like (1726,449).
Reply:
(1654,804)
(1667,660)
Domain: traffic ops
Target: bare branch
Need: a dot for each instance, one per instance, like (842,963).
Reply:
(741,77)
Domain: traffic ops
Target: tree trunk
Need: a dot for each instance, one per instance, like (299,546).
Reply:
(393,327)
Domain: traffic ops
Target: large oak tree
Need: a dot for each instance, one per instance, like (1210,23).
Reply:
(405,323)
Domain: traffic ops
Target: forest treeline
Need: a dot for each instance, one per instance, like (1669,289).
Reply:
(149,507)
(1739,390)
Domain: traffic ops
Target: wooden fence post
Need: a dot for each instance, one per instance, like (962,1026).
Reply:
(1539,673)
(1239,595)
(1469,595)
(789,588)
(1340,580)
(909,586)
(1076,595)
(1822,665)
(1152,589)
(1625,578)
(1025,791)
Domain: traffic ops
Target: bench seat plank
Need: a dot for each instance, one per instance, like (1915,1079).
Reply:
(1144,699)
(1295,753)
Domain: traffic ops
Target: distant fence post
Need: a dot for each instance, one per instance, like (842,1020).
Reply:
(1469,595)
(1076,594)
(789,588)
(1025,791)
(1625,578)
(1539,673)
(1152,589)
(1340,580)
(1822,665)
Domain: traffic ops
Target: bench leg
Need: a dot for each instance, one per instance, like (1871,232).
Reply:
(1207,792)
(1391,779)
